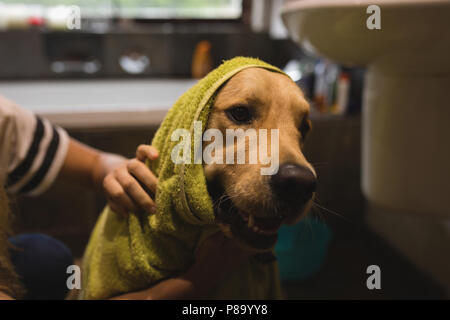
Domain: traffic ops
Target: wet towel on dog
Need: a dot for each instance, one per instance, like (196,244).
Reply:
(125,255)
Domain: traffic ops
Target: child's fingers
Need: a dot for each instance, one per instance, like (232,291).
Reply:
(145,152)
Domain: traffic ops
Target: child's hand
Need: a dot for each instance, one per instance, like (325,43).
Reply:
(131,185)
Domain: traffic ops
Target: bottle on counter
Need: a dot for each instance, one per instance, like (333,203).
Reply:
(202,62)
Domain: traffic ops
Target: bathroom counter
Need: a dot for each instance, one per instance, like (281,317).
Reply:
(98,103)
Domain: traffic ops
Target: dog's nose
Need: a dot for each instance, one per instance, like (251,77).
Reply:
(293,183)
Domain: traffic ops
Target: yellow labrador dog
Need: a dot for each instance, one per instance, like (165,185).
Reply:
(250,203)
(249,206)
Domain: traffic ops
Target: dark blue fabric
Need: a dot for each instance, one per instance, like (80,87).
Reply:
(41,262)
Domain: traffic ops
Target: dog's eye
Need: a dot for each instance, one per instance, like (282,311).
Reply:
(305,127)
(239,114)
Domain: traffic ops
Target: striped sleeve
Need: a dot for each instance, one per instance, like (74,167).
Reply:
(39,151)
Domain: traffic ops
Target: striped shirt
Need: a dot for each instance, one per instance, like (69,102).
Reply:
(32,150)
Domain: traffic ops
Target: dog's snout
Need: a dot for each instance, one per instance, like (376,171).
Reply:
(293,183)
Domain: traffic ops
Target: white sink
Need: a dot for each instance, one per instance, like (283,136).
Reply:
(406,106)
(414,34)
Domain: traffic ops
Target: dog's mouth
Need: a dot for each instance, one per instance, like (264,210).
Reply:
(256,232)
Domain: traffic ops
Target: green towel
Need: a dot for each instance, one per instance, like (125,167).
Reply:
(125,255)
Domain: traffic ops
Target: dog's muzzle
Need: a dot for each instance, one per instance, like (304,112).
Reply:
(293,186)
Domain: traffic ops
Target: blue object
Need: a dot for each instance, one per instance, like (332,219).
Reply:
(41,262)
(301,248)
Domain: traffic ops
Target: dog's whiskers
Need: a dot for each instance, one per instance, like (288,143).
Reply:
(319,164)
(316,205)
